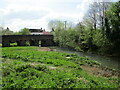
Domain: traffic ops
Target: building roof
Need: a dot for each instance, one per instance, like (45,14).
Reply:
(39,33)
(35,30)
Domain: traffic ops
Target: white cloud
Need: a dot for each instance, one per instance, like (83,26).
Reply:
(16,24)
(18,8)
(84,5)
(15,21)
(19,23)
(42,1)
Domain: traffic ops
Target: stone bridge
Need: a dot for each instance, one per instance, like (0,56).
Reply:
(21,40)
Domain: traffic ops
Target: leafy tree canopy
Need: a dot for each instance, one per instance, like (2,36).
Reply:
(24,31)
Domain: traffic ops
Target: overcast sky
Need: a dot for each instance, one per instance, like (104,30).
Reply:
(17,14)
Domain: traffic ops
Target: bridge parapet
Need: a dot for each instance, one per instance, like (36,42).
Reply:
(22,39)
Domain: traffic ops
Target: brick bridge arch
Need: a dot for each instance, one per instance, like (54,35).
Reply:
(46,40)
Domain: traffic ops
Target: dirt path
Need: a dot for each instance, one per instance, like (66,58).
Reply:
(45,49)
(105,72)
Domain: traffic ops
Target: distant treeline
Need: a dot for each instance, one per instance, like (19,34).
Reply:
(99,31)
(7,31)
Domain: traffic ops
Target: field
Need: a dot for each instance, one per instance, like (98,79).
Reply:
(28,67)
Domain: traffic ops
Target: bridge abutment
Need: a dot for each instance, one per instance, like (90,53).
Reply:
(34,42)
(43,43)
(5,44)
(46,43)
(21,43)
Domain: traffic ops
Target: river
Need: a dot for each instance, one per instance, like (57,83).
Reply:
(111,62)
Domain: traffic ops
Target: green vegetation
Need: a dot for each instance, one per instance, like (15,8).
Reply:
(7,31)
(13,44)
(27,67)
(24,31)
(98,32)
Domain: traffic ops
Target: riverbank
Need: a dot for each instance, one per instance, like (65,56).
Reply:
(101,70)
(33,67)
(111,62)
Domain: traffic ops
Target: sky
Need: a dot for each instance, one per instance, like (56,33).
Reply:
(36,14)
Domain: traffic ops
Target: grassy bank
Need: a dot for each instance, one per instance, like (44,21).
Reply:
(28,67)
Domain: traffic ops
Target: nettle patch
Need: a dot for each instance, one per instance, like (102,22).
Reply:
(26,67)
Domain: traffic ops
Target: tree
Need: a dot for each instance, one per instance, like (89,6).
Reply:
(95,25)
(24,31)
(1,28)
(88,32)
(96,14)
(113,31)
(56,24)
(6,31)
(99,31)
